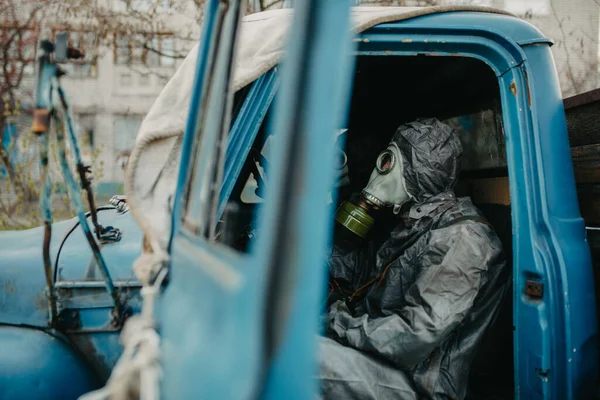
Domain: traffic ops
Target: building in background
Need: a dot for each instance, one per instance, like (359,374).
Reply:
(574,27)
(124,71)
(111,96)
(132,48)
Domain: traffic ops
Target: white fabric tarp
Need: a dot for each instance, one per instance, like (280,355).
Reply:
(154,162)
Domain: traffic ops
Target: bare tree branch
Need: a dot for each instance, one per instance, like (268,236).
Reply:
(568,60)
(163,54)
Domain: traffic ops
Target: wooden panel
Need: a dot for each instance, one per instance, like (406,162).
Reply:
(582,99)
(589,203)
(586,163)
(582,112)
(485,190)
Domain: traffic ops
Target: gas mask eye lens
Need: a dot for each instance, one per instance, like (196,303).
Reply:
(342,160)
(385,162)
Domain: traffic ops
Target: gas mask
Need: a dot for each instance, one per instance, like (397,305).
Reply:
(341,166)
(386,188)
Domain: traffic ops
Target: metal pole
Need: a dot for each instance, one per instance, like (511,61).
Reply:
(75,195)
(46,201)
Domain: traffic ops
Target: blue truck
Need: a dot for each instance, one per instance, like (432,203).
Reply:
(239,309)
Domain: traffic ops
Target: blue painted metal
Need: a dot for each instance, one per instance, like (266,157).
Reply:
(533,320)
(546,221)
(47,93)
(200,271)
(28,351)
(23,299)
(9,142)
(103,234)
(46,207)
(560,256)
(75,196)
(67,119)
(546,218)
(200,88)
(513,29)
(296,223)
(201,211)
(497,51)
(244,130)
(220,293)
(46,71)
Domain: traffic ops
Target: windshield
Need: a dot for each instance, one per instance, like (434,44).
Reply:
(251,191)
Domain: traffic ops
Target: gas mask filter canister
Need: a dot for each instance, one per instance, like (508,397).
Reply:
(386,188)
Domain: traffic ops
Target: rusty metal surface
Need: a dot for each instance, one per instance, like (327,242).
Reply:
(534,289)
(513,88)
(24,300)
(41,121)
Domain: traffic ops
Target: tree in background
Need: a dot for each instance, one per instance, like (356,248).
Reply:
(142,30)
(18,40)
(93,26)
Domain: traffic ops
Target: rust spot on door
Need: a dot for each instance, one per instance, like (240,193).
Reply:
(9,287)
(513,88)
(41,302)
(534,289)
(528,89)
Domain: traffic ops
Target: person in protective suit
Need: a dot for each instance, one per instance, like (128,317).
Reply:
(409,307)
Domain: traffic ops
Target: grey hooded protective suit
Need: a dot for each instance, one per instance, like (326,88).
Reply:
(414,303)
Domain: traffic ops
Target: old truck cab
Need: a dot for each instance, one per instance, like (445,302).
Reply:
(249,285)
(241,213)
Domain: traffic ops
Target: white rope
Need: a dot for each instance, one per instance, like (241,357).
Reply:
(137,374)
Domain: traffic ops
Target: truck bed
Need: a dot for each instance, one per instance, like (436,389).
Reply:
(583,112)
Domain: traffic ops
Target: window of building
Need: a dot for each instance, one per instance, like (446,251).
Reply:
(122,50)
(144,80)
(138,50)
(527,8)
(486,3)
(84,124)
(21,50)
(152,57)
(148,5)
(154,51)
(126,128)
(167,52)
(88,43)
(125,79)
(162,80)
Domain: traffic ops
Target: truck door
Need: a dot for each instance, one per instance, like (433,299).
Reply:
(237,324)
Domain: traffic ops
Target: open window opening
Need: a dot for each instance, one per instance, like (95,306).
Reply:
(237,224)
(463,93)
(236,227)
